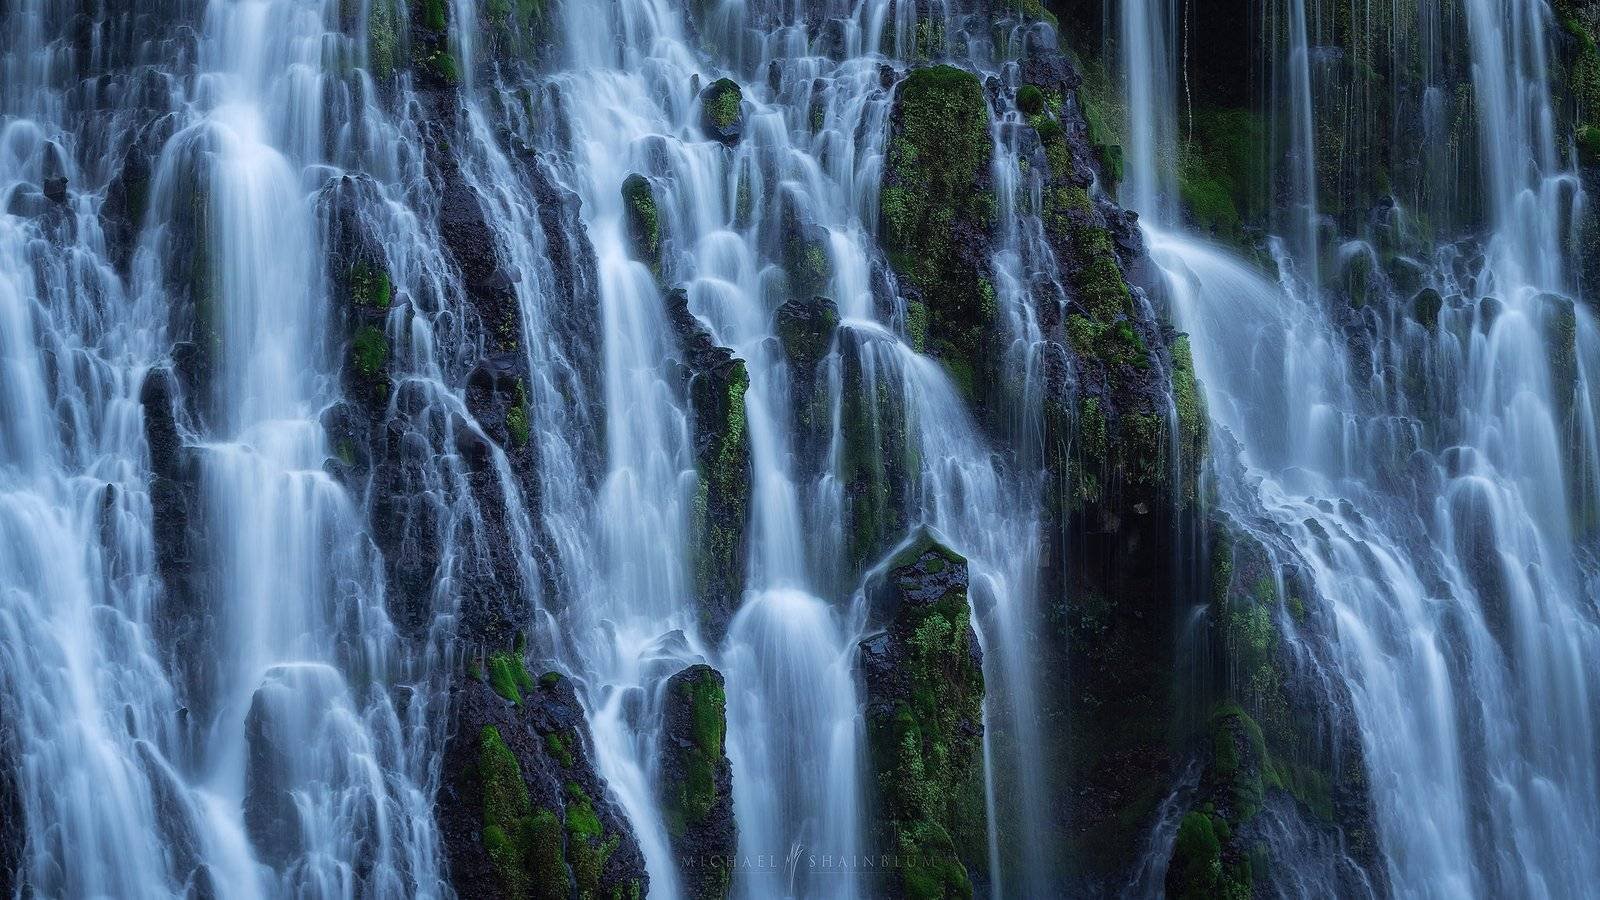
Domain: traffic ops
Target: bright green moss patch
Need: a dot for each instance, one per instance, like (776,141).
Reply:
(517,424)
(1190,406)
(927,753)
(560,747)
(509,826)
(1221,167)
(508,677)
(382,52)
(1030,100)
(690,800)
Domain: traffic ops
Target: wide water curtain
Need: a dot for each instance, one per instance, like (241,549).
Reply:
(856,449)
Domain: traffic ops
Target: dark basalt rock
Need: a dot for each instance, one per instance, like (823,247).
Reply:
(923,676)
(697,779)
(716,383)
(180,536)
(521,810)
(806,329)
(13,837)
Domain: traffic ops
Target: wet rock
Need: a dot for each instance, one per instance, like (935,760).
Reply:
(923,677)
(717,381)
(1425,307)
(179,535)
(805,330)
(697,779)
(877,459)
(722,112)
(521,810)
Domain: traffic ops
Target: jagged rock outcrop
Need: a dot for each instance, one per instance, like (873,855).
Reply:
(716,382)
(522,811)
(923,677)
(697,782)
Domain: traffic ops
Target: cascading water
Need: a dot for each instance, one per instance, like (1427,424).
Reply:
(1438,513)
(359,355)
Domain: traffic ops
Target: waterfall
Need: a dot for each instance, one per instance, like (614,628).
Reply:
(1437,520)
(452,448)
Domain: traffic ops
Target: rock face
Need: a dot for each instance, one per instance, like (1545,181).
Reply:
(521,810)
(936,216)
(1278,749)
(806,329)
(716,383)
(697,780)
(923,676)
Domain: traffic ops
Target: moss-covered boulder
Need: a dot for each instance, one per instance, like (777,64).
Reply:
(716,384)
(923,675)
(522,812)
(722,111)
(936,213)
(697,781)
(642,219)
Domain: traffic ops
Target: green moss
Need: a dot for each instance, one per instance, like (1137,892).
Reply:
(1196,866)
(381,39)
(443,65)
(1588,142)
(545,859)
(517,424)
(938,155)
(723,476)
(927,758)
(1221,167)
(1189,404)
(691,800)
(508,825)
(549,679)
(560,748)
(722,102)
(508,677)
(369,350)
(435,14)
(588,847)
(1030,100)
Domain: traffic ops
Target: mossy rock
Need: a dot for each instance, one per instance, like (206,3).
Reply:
(697,780)
(722,111)
(924,686)
(643,220)
(937,209)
